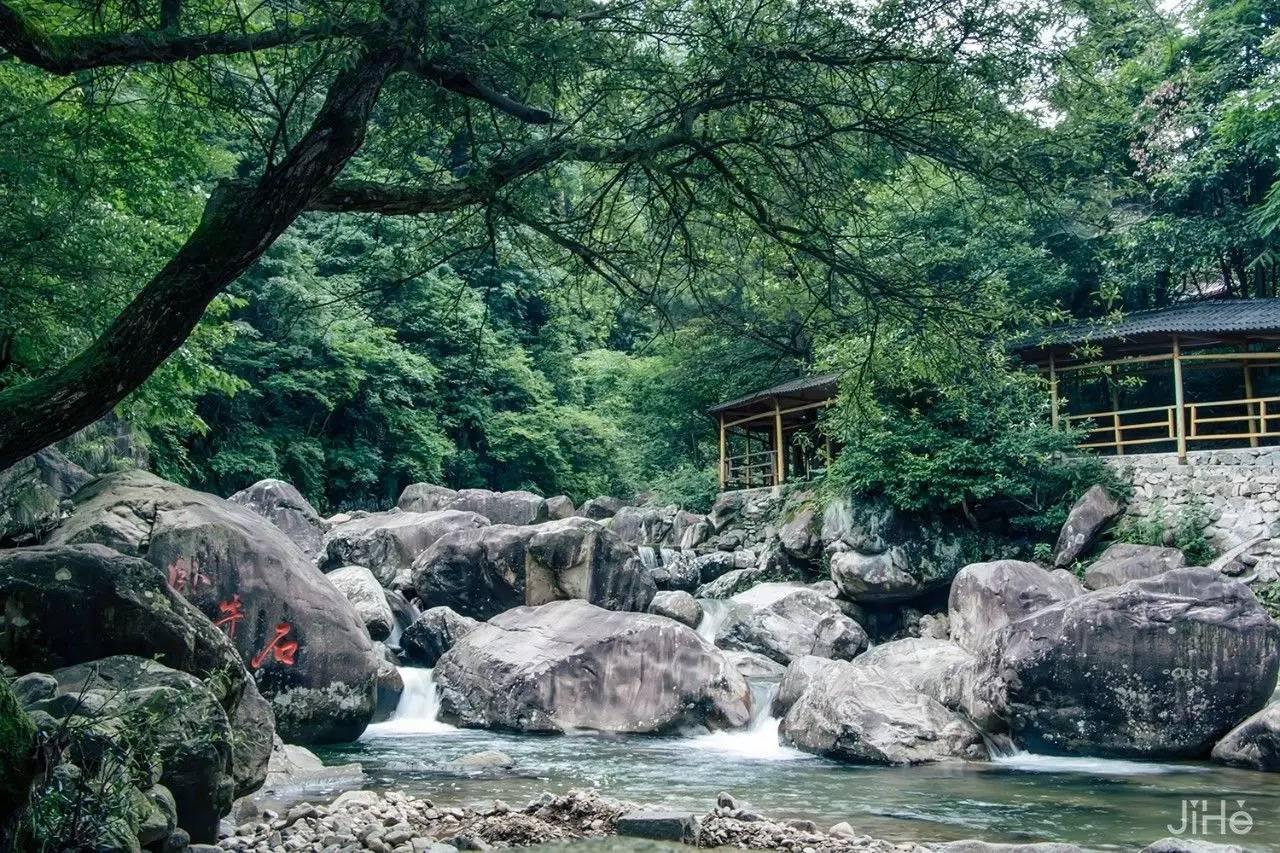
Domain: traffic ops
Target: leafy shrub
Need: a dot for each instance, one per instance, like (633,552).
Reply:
(981,446)
(1182,529)
(689,487)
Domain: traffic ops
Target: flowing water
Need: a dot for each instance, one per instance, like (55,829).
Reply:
(1097,803)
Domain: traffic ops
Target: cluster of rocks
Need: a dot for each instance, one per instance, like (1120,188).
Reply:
(271,622)
(393,822)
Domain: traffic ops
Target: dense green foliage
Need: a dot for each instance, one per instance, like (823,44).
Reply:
(1075,159)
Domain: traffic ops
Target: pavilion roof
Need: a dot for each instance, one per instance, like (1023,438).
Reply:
(800,390)
(1203,322)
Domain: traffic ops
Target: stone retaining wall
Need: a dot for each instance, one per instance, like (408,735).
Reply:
(1236,491)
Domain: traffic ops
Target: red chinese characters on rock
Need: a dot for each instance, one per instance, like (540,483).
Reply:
(229,614)
(185,575)
(281,649)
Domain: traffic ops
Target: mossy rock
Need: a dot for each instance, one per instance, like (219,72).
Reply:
(17,752)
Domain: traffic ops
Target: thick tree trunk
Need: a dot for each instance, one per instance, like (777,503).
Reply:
(239,224)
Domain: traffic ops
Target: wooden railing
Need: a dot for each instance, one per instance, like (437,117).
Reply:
(1259,419)
(748,470)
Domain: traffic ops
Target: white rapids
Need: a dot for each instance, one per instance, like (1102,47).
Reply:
(418,711)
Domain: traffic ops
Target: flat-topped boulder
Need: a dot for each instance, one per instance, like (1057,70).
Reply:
(1157,668)
(307,648)
(518,507)
(785,621)
(1124,562)
(987,596)
(483,572)
(571,665)
(285,507)
(865,715)
(937,668)
(387,543)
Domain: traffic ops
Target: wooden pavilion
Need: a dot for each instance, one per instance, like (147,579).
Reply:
(771,436)
(1198,374)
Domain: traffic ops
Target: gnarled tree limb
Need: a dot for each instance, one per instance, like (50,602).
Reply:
(470,88)
(240,223)
(59,54)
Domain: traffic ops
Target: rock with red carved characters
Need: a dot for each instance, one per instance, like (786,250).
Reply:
(304,643)
(66,605)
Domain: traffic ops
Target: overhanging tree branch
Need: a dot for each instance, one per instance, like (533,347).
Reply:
(67,54)
(399,200)
(240,222)
(464,85)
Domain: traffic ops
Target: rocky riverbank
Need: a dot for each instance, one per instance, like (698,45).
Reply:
(365,821)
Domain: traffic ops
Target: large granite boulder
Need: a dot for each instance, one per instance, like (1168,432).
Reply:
(987,596)
(387,543)
(677,605)
(799,675)
(302,640)
(1088,517)
(163,711)
(434,633)
(1157,668)
(671,568)
(598,509)
(499,507)
(64,606)
(571,665)
(578,558)
(786,621)
(653,525)
(481,573)
(32,493)
(878,554)
(865,715)
(801,535)
(367,597)
(285,507)
(1255,743)
(1123,562)
(939,669)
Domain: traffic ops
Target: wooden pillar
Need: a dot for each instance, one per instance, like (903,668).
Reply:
(778,440)
(1254,426)
(1115,420)
(1053,391)
(723,473)
(746,454)
(1179,401)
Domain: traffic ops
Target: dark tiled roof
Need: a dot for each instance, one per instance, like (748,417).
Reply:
(816,387)
(1218,316)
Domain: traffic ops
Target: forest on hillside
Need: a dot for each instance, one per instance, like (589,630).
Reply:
(564,230)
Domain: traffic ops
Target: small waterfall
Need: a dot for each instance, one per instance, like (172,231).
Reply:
(714,612)
(999,745)
(648,556)
(759,739)
(418,711)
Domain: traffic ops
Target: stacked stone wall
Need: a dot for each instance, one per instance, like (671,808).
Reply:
(1234,494)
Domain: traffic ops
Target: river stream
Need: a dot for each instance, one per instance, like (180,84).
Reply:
(1097,803)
